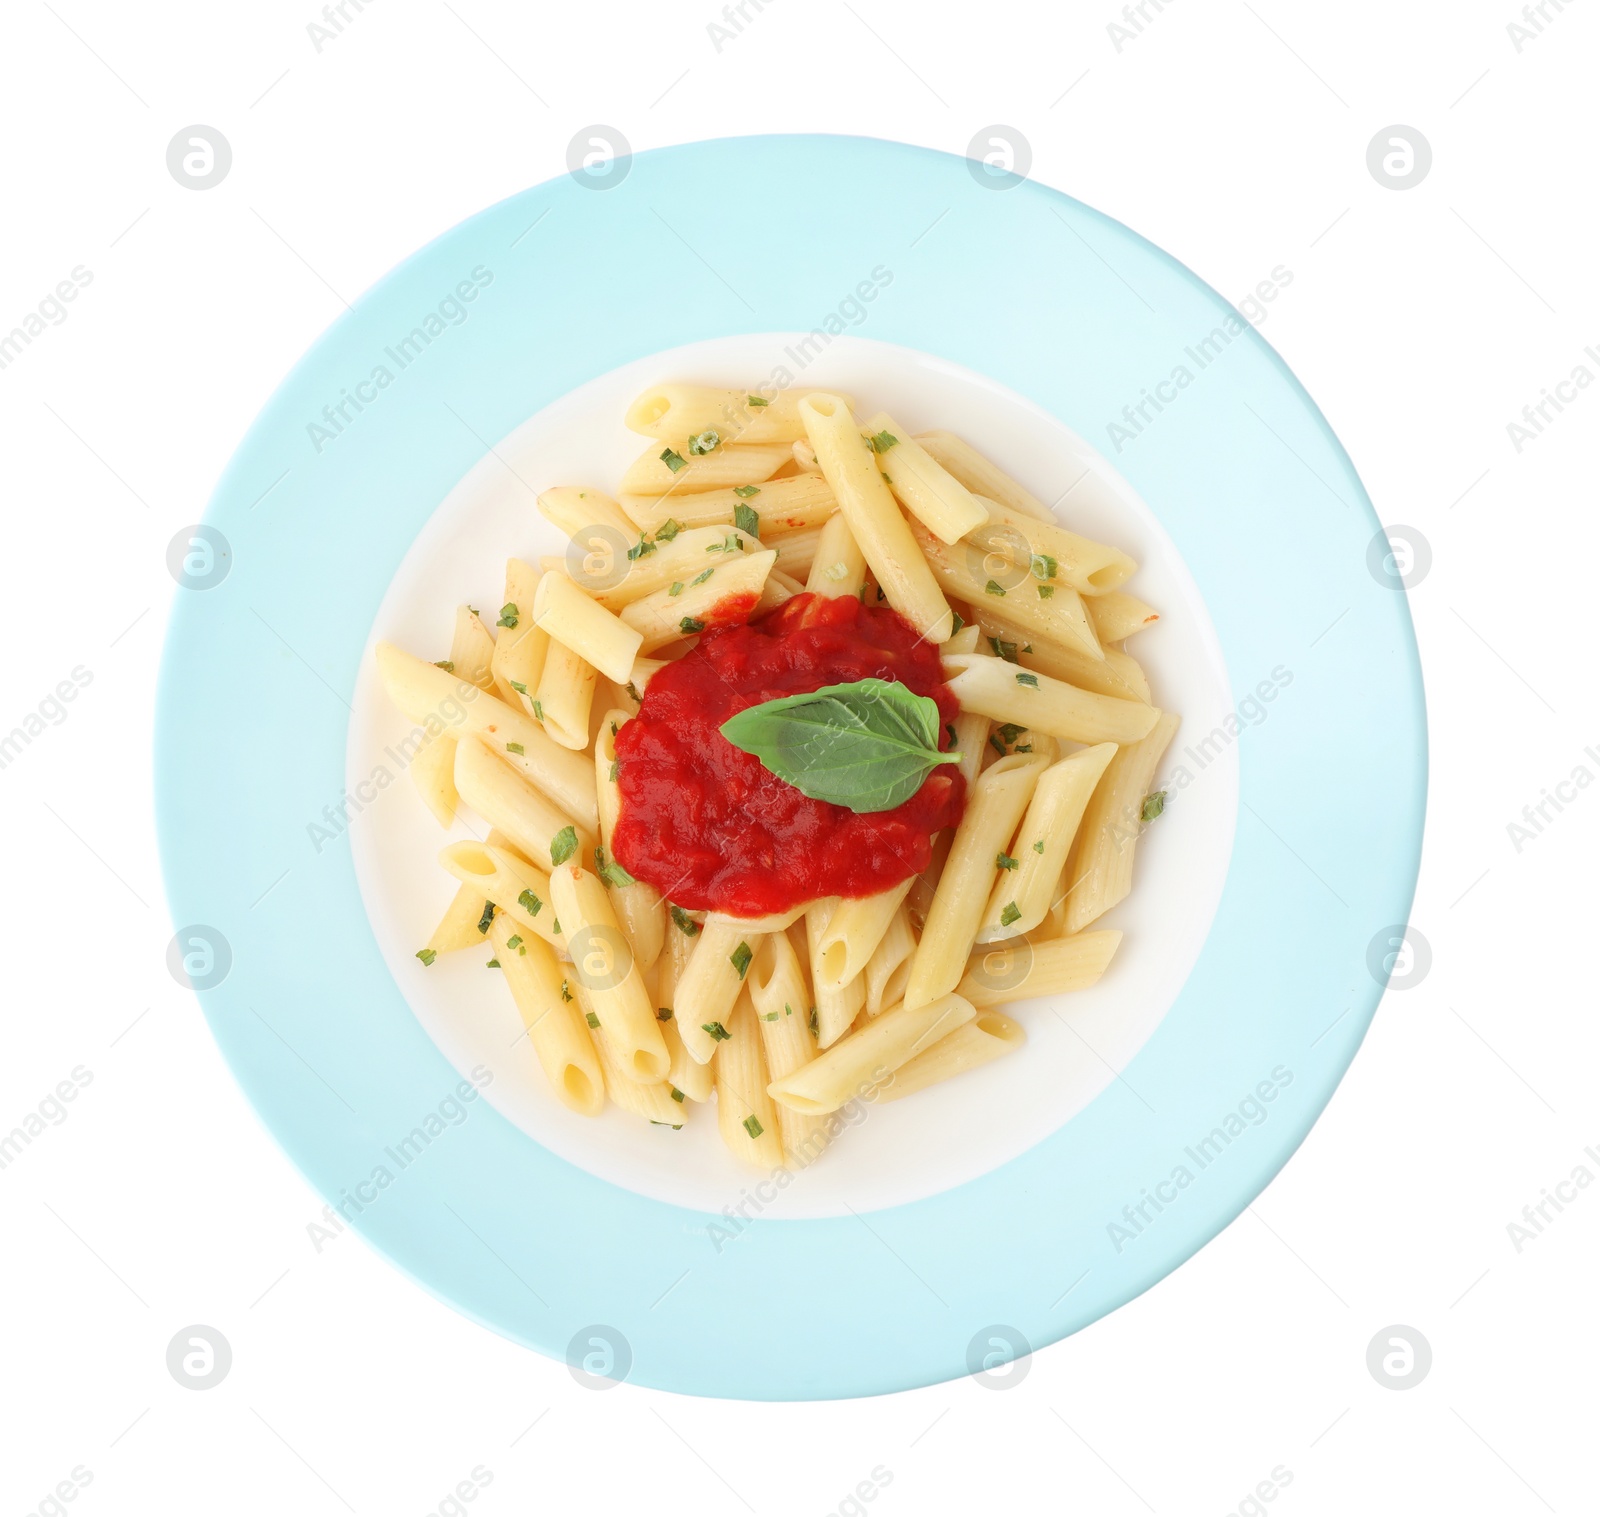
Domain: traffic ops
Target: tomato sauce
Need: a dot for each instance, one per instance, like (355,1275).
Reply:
(711,827)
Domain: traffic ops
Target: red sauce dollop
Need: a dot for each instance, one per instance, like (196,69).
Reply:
(711,828)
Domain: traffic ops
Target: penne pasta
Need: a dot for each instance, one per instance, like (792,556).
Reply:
(471,649)
(854,929)
(837,1005)
(638,906)
(458,928)
(433,773)
(1062,557)
(672,560)
(516,889)
(778,994)
(675,471)
(838,568)
(1101,873)
(780,505)
(674,412)
(504,799)
(796,551)
(994,807)
(745,1116)
(519,651)
(726,592)
(1004,692)
(980,476)
(968,573)
(1114,674)
(651,1099)
(861,1064)
(923,485)
(1025,890)
(987,1037)
(566,692)
(1118,615)
(1018,970)
(686,1073)
(889,968)
(586,628)
(710,984)
(554,1023)
(578,512)
(436,699)
(880,531)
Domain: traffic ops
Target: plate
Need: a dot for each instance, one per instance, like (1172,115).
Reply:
(394,470)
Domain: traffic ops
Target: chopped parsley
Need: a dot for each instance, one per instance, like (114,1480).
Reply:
(769,1016)
(995,743)
(616,769)
(663,1013)
(1031,680)
(538,709)
(703,576)
(508,615)
(633,690)
(677,1095)
(744,492)
(1047,592)
(590,1017)
(427,955)
(640,549)
(492,964)
(740,958)
(446,665)
(746,520)
(487,917)
(756,400)
(957,623)
(994,587)
(881,442)
(514,941)
(677,587)
(564,844)
(1004,861)
(1010,732)
(515,748)
(612,873)
(1003,649)
(1039,846)
(675,1126)
(672,460)
(1044,566)
(530,903)
(1010,914)
(691,624)
(811,1022)
(685,923)
(518,686)
(704,442)
(566,993)
(719,1033)
(1154,804)
(753,1127)
(668,530)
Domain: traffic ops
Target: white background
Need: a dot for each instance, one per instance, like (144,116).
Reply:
(1232,134)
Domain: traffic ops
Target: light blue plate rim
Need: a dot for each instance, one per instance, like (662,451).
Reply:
(1044,295)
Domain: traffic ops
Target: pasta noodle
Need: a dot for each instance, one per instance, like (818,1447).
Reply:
(1019,970)
(1005,693)
(553,1021)
(987,1037)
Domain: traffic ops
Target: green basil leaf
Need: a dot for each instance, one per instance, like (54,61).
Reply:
(867,745)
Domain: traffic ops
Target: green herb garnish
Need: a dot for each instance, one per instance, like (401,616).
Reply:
(881,442)
(719,1033)
(740,958)
(515,748)
(674,461)
(590,1017)
(691,624)
(1154,804)
(668,530)
(564,844)
(1031,680)
(1044,566)
(1005,650)
(744,492)
(427,955)
(685,923)
(704,442)
(994,587)
(487,917)
(753,1127)
(746,520)
(508,615)
(530,903)
(1004,861)
(867,745)
(446,665)
(1010,914)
